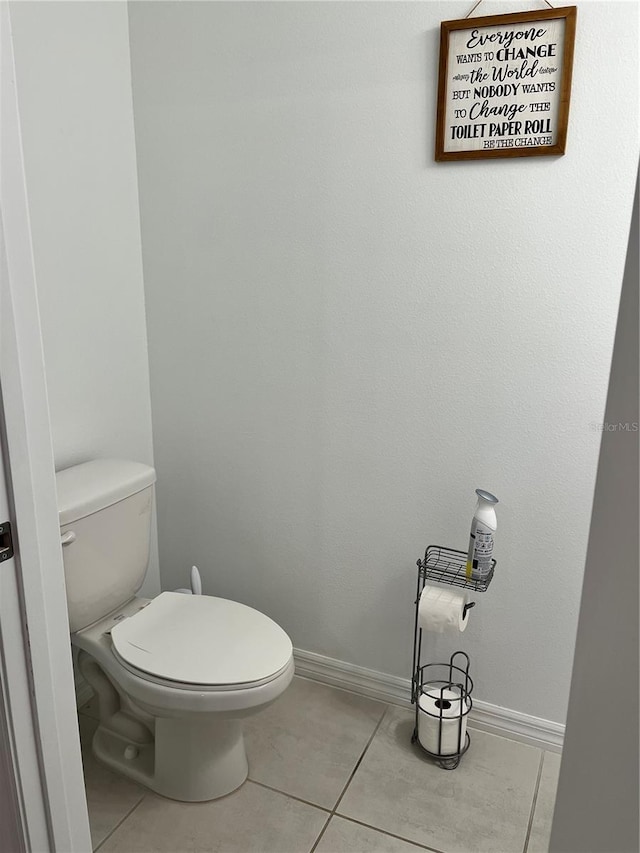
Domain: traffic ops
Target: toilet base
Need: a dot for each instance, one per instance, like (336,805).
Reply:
(190,759)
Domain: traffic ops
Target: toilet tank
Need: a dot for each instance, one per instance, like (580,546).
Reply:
(105,522)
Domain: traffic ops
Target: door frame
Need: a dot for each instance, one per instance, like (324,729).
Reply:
(36,622)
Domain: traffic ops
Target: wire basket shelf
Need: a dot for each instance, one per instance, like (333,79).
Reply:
(446,565)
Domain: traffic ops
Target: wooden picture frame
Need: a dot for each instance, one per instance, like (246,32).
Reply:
(504,85)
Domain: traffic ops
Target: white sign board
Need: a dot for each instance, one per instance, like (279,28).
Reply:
(504,85)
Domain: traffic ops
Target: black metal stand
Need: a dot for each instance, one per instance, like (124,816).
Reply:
(444,688)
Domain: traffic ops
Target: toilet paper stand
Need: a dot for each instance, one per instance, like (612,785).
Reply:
(446,730)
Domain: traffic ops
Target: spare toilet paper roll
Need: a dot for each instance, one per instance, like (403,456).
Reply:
(442,609)
(454,730)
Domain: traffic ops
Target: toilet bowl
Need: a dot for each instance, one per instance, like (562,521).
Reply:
(174,675)
(170,709)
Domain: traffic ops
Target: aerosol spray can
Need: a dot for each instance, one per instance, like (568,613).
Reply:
(483,528)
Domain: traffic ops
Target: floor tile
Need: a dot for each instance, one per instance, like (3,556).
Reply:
(249,820)
(484,805)
(308,742)
(545,803)
(110,797)
(343,835)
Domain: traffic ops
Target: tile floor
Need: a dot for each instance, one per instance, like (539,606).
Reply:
(333,772)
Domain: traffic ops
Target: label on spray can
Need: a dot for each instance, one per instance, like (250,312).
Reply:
(481,538)
(483,550)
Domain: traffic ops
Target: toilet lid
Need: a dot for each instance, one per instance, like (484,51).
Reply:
(199,639)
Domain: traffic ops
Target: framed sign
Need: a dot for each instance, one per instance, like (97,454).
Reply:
(504,85)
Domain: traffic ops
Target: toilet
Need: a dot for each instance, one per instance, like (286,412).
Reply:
(174,675)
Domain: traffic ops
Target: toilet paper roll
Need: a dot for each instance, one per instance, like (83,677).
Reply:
(442,609)
(454,731)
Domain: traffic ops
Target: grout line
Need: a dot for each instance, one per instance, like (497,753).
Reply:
(391,834)
(119,824)
(322,832)
(533,804)
(335,813)
(359,761)
(287,794)
(351,775)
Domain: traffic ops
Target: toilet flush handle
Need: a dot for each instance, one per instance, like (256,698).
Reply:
(196,582)
(67,538)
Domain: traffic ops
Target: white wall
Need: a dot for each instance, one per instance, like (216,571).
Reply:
(347,338)
(598,812)
(74,85)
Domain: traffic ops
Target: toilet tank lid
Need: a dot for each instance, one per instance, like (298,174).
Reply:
(92,486)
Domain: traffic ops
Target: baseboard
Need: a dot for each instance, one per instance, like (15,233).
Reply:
(484,716)
(518,726)
(357,679)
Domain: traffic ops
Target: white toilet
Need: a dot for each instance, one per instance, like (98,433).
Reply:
(174,675)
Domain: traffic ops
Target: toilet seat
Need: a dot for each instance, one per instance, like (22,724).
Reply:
(199,688)
(201,642)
